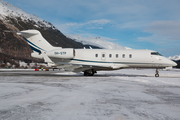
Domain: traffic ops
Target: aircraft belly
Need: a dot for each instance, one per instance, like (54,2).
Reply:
(146,65)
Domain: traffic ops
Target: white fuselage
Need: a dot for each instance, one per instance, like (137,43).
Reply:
(117,59)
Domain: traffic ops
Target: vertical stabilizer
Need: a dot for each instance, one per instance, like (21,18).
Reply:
(36,40)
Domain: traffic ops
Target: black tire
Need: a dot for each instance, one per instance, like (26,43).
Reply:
(156,75)
(88,73)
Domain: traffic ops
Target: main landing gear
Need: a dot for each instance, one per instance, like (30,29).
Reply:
(157,72)
(89,72)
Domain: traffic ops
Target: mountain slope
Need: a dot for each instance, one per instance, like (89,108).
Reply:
(176,57)
(14,19)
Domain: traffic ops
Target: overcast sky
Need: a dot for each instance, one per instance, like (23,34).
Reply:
(138,24)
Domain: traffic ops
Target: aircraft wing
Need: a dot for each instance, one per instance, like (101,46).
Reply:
(83,67)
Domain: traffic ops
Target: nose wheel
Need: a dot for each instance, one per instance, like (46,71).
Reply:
(157,72)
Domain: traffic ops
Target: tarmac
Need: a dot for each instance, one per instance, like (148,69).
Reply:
(117,95)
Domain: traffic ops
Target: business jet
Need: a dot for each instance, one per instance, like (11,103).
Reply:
(90,61)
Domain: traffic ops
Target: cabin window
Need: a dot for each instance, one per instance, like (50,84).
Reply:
(96,55)
(123,56)
(116,55)
(74,52)
(103,55)
(130,55)
(110,55)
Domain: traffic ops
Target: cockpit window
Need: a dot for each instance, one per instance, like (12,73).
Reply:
(155,53)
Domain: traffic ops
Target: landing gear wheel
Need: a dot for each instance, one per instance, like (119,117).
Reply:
(156,75)
(89,72)
(157,72)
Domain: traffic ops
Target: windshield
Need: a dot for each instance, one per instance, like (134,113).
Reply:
(155,53)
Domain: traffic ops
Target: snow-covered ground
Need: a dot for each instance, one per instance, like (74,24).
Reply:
(113,95)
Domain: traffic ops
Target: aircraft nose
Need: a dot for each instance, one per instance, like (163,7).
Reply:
(173,63)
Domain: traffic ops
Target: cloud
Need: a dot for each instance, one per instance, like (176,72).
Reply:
(164,44)
(169,29)
(132,25)
(155,39)
(77,27)
(165,35)
(108,39)
(100,22)
(92,23)
(162,32)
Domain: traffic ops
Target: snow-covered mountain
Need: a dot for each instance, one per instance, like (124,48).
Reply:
(95,41)
(9,10)
(13,46)
(176,57)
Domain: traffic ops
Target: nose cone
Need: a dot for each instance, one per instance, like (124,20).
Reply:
(173,63)
(170,63)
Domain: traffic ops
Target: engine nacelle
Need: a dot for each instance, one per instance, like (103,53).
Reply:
(68,53)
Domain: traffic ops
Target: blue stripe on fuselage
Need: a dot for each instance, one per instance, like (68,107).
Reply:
(34,45)
(109,62)
(34,49)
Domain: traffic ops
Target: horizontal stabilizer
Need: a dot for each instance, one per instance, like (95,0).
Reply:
(21,32)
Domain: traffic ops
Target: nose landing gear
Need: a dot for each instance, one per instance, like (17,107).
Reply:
(157,72)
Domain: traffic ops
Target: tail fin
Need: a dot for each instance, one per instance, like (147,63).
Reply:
(36,40)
